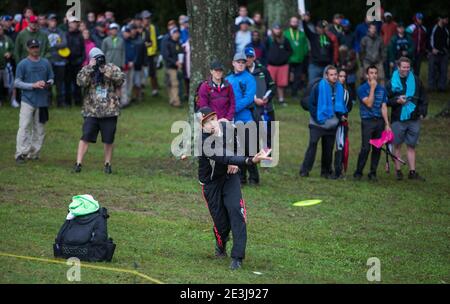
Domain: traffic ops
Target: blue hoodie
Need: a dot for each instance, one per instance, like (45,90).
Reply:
(244,88)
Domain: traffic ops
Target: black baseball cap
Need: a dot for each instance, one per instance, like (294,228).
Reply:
(217,65)
(52,16)
(205,113)
(33,43)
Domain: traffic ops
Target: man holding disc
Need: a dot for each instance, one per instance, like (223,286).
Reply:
(221,185)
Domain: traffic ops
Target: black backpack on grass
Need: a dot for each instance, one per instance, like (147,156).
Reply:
(86,238)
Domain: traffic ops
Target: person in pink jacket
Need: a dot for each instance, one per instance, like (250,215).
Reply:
(89,44)
(217,93)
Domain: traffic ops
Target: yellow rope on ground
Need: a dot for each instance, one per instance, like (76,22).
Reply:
(133,272)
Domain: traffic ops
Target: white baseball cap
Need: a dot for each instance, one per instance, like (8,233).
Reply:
(114,26)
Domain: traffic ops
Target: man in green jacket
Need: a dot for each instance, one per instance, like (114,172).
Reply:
(114,47)
(297,63)
(31,32)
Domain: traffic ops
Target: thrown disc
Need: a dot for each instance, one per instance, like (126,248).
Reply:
(307,203)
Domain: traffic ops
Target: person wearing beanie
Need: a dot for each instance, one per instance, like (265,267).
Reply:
(102,83)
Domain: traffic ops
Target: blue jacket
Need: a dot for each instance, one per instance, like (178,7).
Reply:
(244,88)
(130,51)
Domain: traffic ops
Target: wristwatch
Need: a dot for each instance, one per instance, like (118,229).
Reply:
(249,161)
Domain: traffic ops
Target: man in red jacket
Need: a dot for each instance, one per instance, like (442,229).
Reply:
(419,36)
(23,23)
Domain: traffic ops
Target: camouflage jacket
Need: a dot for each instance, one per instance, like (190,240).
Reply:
(101,100)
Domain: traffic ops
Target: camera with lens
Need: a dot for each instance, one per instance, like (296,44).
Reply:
(100,61)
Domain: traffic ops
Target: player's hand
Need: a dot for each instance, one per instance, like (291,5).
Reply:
(232,169)
(92,62)
(262,155)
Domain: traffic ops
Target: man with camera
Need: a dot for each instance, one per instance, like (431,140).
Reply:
(101,83)
(34,76)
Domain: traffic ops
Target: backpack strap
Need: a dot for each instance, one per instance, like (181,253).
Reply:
(62,231)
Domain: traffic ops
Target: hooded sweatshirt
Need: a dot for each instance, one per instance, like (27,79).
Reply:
(372,49)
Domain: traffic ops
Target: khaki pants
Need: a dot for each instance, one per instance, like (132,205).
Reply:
(31,133)
(125,90)
(173,87)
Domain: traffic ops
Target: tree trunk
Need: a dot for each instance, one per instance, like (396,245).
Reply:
(211,28)
(279,11)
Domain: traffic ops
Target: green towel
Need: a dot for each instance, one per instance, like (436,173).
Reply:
(83,205)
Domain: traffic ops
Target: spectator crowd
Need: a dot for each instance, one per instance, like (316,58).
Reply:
(319,63)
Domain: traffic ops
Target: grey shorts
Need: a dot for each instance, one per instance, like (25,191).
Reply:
(406,132)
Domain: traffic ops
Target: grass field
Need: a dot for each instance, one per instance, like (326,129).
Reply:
(163,229)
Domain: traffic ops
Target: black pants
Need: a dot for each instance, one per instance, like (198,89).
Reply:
(266,133)
(71,84)
(227,208)
(418,63)
(370,129)
(297,70)
(60,72)
(328,138)
(252,169)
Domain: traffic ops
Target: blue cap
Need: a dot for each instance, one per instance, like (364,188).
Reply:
(249,52)
(345,22)
(7,18)
(419,16)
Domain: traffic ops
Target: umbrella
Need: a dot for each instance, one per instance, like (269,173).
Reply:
(342,143)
